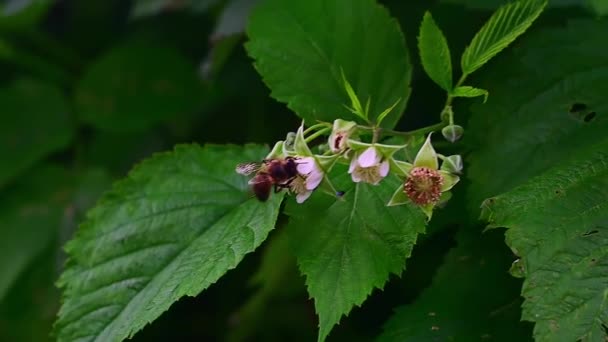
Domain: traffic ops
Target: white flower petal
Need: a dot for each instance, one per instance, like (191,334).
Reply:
(356,178)
(353,165)
(305,165)
(303,196)
(368,158)
(384,167)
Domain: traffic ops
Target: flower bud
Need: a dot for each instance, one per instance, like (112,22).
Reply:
(341,132)
(452,132)
(452,164)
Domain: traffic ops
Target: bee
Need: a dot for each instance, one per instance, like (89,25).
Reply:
(270,172)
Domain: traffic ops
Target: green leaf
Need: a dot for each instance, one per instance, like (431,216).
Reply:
(435,53)
(471,297)
(177,223)
(505,25)
(300,60)
(137,85)
(348,247)
(35,122)
(557,225)
(523,131)
(468,91)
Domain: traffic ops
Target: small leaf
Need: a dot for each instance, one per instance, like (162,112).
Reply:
(468,91)
(557,225)
(300,62)
(35,122)
(505,25)
(382,115)
(435,53)
(123,91)
(173,227)
(348,247)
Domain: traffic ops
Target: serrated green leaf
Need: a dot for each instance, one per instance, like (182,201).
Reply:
(137,85)
(523,131)
(300,61)
(502,29)
(468,91)
(35,122)
(348,247)
(435,53)
(557,225)
(176,224)
(471,297)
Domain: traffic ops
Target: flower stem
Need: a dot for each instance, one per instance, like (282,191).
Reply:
(317,134)
(316,127)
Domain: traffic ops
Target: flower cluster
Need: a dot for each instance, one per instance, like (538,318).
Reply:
(292,165)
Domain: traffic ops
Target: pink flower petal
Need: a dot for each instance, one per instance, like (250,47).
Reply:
(353,165)
(384,167)
(305,165)
(368,158)
(313,180)
(303,196)
(355,177)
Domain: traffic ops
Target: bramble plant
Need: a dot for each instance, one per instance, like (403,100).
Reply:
(378,211)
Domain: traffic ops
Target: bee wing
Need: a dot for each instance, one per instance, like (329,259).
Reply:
(248,168)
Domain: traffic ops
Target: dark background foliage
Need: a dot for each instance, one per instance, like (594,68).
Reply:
(90,88)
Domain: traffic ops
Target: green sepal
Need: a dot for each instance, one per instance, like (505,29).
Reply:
(449,180)
(400,168)
(427,157)
(427,210)
(278,151)
(385,151)
(399,198)
(300,146)
(452,164)
(327,162)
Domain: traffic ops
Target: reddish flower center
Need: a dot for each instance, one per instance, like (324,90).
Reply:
(423,186)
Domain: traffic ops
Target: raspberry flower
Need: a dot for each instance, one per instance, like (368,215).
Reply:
(370,163)
(425,183)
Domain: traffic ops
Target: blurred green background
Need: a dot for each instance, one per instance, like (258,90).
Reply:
(90,88)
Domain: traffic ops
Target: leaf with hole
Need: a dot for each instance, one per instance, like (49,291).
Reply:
(557,224)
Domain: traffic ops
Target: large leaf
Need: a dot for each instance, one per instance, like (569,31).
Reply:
(137,85)
(143,8)
(173,227)
(34,122)
(22,14)
(558,224)
(348,247)
(435,53)
(502,28)
(300,47)
(472,297)
(522,131)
